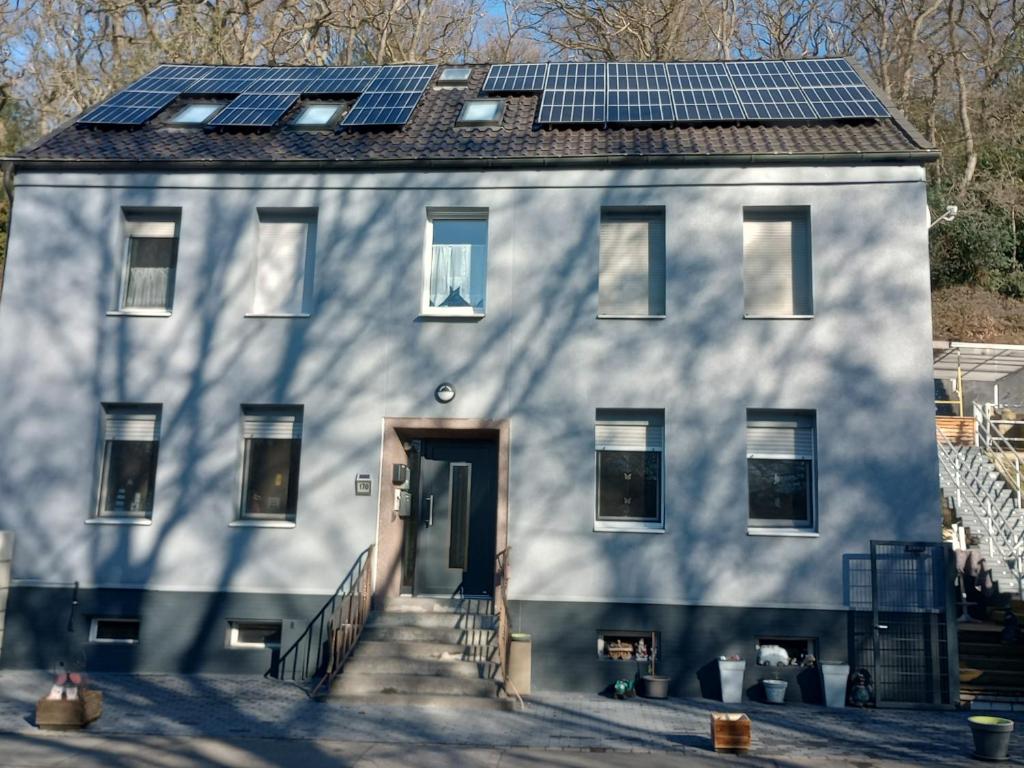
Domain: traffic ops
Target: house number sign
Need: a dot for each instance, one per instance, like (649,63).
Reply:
(363,485)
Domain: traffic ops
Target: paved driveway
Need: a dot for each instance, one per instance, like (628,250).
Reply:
(258,719)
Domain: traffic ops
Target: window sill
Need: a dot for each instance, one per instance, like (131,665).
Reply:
(119,521)
(610,527)
(279,315)
(778,317)
(247,523)
(138,313)
(631,317)
(797,533)
(450,314)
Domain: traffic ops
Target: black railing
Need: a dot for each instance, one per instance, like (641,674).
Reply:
(318,655)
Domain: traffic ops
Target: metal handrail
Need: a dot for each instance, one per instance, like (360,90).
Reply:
(1010,546)
(1003,454)
(319,653)
(504,633)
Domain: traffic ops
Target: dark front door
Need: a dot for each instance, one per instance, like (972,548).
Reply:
(456,518)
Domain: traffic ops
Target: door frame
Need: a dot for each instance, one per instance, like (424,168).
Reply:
(387,571)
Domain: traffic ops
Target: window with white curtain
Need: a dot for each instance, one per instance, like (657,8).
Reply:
(131,438)
(631,281)
(630,446)
(777,262)
(271,447)
(285,254)
(781,476)
(150,261)
(456,267)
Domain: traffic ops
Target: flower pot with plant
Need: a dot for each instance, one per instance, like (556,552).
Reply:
(774,689)
(655,685)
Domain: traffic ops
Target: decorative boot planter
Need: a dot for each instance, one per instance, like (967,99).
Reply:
(774,691)
(730,673)
(991,736)
(655,687)
(834,676)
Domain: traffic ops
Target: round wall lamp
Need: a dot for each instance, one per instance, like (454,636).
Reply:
(444,393)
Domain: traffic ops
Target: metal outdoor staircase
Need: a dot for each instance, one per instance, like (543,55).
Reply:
(981,483)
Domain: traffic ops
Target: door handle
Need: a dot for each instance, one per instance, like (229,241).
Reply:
(881,626)
(430,510)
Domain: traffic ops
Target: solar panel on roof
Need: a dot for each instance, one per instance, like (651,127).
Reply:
(835,89)
(392,96)
(515,78)
(284,80)
(767,91)
(638,93)
(254,110)
(221,81)
(129,107)
(573,93)
(169,78)
(342,81)
(703,92)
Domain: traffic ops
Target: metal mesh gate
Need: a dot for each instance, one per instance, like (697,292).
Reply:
(907,644)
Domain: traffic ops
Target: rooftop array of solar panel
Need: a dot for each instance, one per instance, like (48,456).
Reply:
(703,92)
(515,78)
(573,93)
(768,91)
(639,93)
(391,97)
(835,90)
(128,108)
(342,81)
(254,110)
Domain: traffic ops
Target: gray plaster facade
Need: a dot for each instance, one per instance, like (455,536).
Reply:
(540,358)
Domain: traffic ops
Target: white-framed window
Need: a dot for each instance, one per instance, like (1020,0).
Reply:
(131,442)
(455,263)
(781,472)
(481,112)
(317,115)
(271,448)
(115,631)
(285,258)
(631,280)
(630,448)
(254,634)
(777,262)
(196,114)
(150,261)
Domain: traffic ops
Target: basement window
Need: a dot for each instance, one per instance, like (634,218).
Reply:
(797,648)
(195,114)
(114,631)
(254,634)
(625,645)
(482,112)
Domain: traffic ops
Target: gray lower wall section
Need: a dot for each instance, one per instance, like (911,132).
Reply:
(692,638)
(179,631)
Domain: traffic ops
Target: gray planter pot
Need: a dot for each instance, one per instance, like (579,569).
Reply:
(655,687)
(731,677)
(774,691)
(991,737)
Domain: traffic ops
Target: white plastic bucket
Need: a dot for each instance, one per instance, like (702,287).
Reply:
(730,674)
(833,682)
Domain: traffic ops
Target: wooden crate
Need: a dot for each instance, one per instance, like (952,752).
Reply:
(63,715)
(730,731)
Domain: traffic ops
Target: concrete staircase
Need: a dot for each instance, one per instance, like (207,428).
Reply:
(981,481)
(432,651)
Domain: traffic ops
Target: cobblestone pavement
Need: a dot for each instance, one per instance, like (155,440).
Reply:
(250,708)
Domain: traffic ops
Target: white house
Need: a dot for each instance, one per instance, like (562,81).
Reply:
(659,333)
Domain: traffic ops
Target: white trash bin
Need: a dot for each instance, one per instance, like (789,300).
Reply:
(731,675)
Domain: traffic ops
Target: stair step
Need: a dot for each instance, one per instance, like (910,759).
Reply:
(360,684)
(427,700)
(1009,650)
(424,650)
(430,635)
(395,665)
(407,604)
(993,662)
(433,619)
(988,679)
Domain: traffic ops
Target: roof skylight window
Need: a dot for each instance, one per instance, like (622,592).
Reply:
(481,112)
(195,114)
(315,115)
(454,76)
